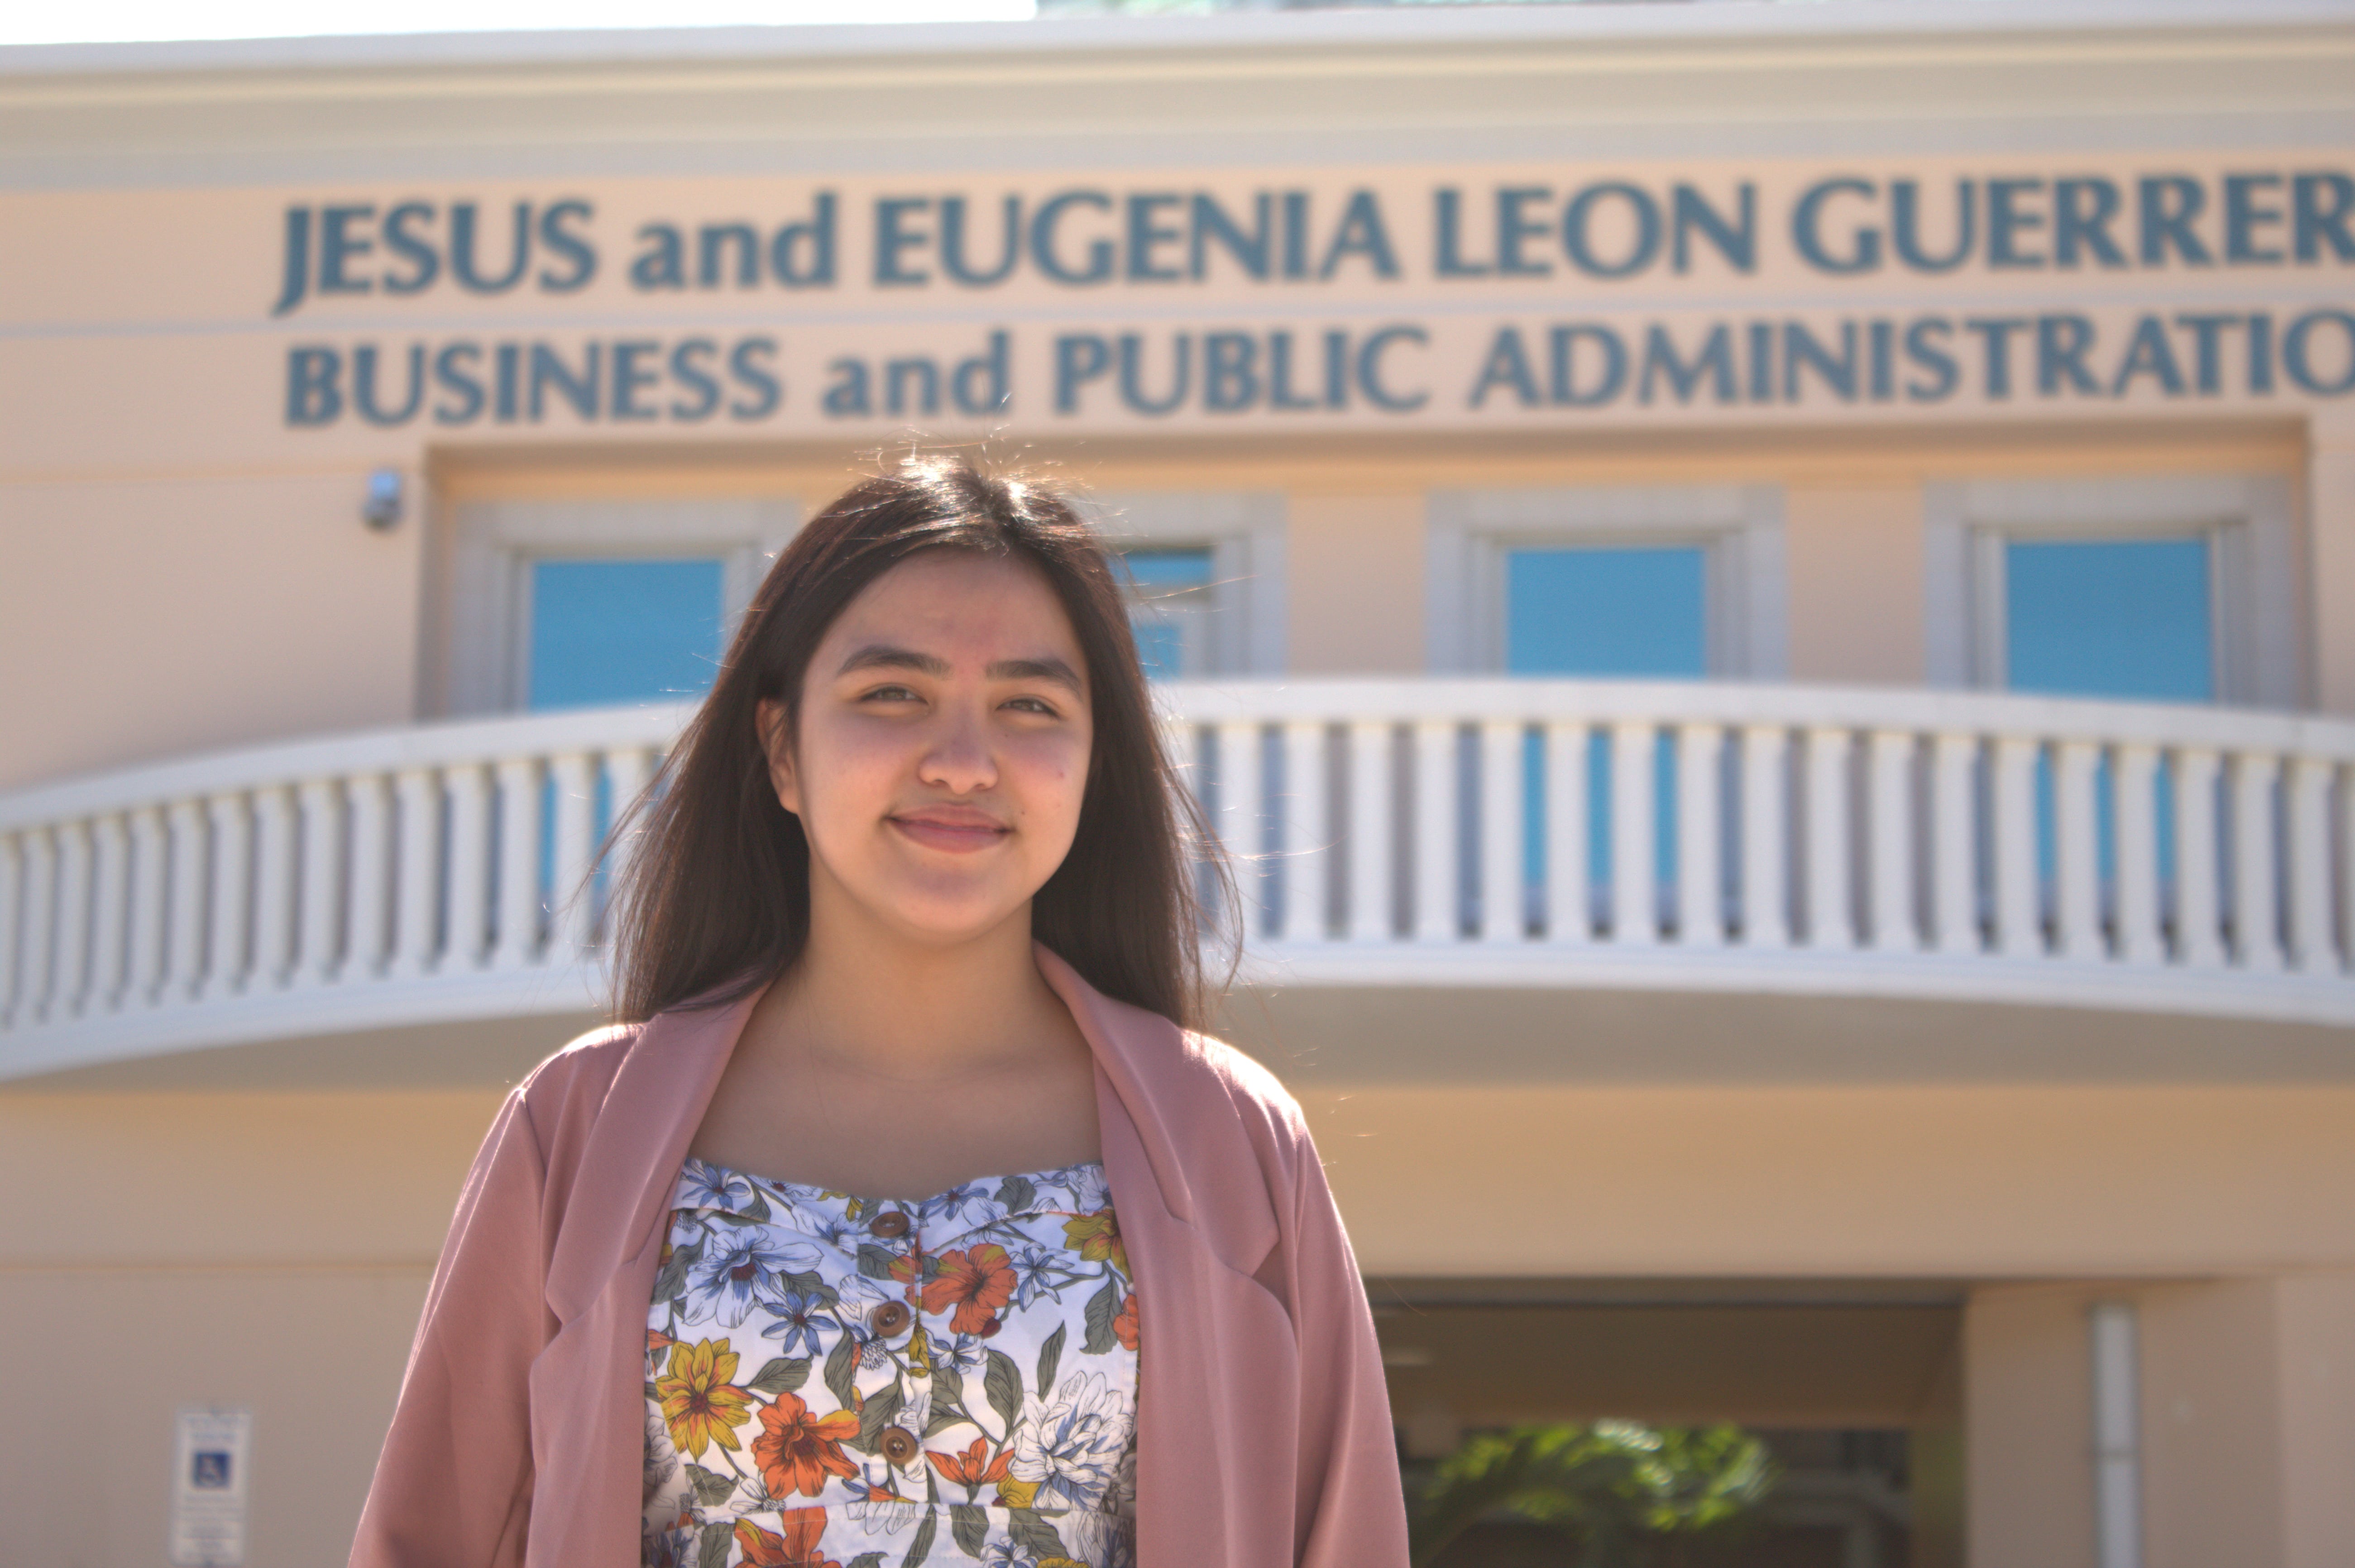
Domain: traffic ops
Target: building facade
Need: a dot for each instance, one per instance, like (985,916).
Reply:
(1766,596)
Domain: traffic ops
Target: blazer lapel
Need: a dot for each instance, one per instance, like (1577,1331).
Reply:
(630,1157)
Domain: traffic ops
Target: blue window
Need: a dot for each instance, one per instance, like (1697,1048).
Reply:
(616,631)
(1169,610)
(1604,611)
(2110,618)
(2127,618)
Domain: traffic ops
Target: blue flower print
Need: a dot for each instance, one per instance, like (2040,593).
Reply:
(742,1263)
(705,1186)
(800,1316)
(952,1204)
(1033,1267)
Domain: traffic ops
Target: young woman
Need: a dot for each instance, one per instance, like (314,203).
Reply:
(903,1221)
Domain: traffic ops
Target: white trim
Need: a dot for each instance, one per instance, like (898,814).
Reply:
(2247,521)
(490,619)
(1746,574)
(1245,535)
(1406,29)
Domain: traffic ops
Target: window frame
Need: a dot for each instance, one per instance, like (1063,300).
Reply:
(2247,521)
(1737,527)
(1245,532)
(496,542)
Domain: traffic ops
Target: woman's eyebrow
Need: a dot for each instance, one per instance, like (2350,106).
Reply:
(1047,668)
(883,656)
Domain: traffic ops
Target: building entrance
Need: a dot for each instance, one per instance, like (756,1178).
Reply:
(1767,1425)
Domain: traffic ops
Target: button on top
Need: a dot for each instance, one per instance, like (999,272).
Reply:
(889,1225)
(899,1445)
(889,1318)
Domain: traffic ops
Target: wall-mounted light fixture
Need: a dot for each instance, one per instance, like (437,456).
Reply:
(381,510)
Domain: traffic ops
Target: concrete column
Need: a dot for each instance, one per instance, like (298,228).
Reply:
(1354,569)
(1856,565)
(2330,525)
(2027,1418)
(2314,1322)
(2247,1397)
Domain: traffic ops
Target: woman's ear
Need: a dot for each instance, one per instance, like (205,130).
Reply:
(775,726)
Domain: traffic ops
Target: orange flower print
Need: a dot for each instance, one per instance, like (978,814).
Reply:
(1096,1237)
(796,1452)
(976,1283)
(797,1547)
(700,1401)
(968,1469)
(1124,1326)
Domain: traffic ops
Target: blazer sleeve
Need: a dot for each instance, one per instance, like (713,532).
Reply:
(1349,1510)
(452,1486)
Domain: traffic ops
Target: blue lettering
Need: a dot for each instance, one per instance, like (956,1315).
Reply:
(364,398)
(1080,357)
(1369,369)
(2007,223)
(296,278)
(1230,372)
(1447,225)
(453,373)
(2151,353)
(893,237)
(2169,205)
(1515,227)
(1806,233)
(1926,355)
(314,394)
(1132,378)
(580,391)
(1508,366)
(464,265)
(630,377)
(1803,350)
(2244,217)
(2322,203)
(1360,233)
(574,248)
(1995,347)
(1565,388)
(687,369)
(983,384)
(749,364)
(952,243)
(1642,211)
(1146,235)
(1736,240)
(424,260)
(1210,222)
(2296,350)
(339,245)
(2061,341)
(1044,228)
(1905,226)
(2207,348)
(1280,394)
(802,254)
(715,242)
(1714,360)
(2083,211)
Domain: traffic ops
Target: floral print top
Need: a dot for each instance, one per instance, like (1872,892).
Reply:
(834,1381)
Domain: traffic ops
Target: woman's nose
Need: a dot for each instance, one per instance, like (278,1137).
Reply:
(959,759)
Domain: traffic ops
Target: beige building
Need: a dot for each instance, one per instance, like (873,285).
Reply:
(1767,591)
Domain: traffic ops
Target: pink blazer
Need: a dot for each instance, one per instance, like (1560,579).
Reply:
(1263,1428)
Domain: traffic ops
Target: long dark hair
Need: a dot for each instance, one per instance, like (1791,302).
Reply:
(713,897)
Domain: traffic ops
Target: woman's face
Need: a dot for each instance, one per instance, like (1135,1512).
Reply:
(943,750)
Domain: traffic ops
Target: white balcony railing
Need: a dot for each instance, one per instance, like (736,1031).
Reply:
(1396,832)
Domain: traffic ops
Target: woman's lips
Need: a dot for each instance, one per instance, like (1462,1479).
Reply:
(958,834)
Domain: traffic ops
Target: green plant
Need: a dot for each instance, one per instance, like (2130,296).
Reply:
(1608,1485)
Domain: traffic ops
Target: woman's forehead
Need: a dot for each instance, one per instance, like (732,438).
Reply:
(956,603)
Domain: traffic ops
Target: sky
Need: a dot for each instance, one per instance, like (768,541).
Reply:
(122,21)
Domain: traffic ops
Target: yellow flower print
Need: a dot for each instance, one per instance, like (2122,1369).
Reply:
(1012,1493)
(700,1402)
(1096,1237)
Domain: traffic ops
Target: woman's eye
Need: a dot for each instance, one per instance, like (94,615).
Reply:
(890,694)
(1033,705)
